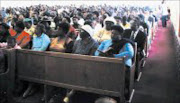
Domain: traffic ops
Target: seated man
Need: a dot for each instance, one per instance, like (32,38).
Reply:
(86,45)
(118,47)
(136,35)
(124,23)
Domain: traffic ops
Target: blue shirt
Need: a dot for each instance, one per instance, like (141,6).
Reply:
(40,43)
(127,51)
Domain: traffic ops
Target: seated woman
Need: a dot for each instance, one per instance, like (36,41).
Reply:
(86,45)
(58,43)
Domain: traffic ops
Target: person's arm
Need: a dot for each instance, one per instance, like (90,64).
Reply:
(17,47)
(46,42)
(93,49)
(100,48)
(128,52)
(3,45)
(75,46)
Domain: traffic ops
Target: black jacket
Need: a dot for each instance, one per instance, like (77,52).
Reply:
(140,39)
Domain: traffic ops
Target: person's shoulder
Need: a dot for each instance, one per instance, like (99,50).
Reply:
(141,33)
(128,30)
(32,28)
(25,33)
(128,44)
(102,30)
(46,36)
(78,41)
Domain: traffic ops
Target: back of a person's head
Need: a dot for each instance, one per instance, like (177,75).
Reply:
(68,19)
(20,24)
(124,18)
(96,13)
(4,25)
(105,100)
(64,26)
(88,22)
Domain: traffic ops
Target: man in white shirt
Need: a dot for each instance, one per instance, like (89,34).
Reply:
(164,13)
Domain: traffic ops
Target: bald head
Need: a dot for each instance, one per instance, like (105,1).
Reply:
(105,100)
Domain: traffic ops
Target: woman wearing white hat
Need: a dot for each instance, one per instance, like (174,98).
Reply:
(86,45)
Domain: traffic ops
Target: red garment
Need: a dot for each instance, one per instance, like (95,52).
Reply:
(23,39)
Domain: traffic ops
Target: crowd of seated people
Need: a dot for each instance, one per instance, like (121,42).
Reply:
(95,30)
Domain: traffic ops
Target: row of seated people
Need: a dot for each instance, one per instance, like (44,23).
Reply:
(117,44)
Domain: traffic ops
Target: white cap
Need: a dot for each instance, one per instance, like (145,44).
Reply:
(88,29)
(110,19)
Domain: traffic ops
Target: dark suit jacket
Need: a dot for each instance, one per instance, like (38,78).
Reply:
(140,39)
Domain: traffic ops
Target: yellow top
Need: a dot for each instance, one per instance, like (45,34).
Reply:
(102,35)
(57,45)
(30,31)
(127,26)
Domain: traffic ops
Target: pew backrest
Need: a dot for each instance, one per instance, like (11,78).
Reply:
(99,75)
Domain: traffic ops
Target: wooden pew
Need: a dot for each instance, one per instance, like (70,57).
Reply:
(99,75)
(84,73)
(6,77)
(140,62)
